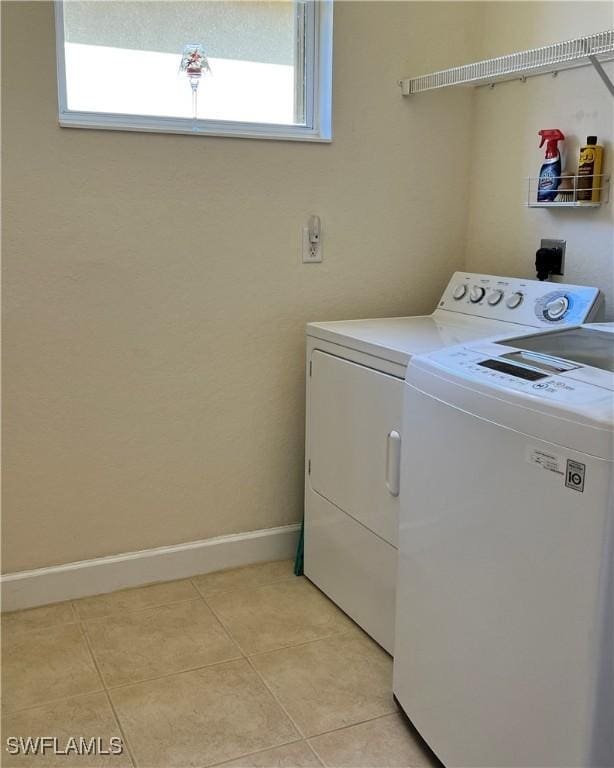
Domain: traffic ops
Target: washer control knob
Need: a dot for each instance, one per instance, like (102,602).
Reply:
(515,300)
(494,297)
(476,294)
(459,291)
(556,309)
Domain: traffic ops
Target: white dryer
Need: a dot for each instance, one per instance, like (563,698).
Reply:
(504,651)
(355,382)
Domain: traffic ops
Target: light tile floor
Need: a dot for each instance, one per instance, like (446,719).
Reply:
(246,667)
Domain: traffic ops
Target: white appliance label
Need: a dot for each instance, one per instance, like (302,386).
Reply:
(546,460)
(575,475)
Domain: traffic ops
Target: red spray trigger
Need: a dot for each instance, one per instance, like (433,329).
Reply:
(552,136)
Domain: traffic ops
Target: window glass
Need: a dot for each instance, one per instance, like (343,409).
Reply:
(124,58)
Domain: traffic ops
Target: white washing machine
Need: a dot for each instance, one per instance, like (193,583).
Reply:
(355,382)
(505,614)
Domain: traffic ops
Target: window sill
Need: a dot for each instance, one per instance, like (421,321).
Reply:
(229,129)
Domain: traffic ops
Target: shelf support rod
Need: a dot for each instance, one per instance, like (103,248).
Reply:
(602,73)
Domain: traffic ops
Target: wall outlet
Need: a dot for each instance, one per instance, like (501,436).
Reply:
(312,252)
(559,245)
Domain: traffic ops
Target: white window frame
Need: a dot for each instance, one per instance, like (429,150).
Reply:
(318,94)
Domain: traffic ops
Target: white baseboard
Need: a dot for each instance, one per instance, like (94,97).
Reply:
(26,589)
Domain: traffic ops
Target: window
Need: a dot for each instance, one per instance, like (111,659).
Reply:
(251,68)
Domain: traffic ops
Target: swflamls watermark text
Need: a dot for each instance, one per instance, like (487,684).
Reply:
(72,745)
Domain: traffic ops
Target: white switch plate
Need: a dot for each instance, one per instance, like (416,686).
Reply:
(312,252)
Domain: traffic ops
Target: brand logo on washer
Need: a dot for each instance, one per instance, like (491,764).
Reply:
(574,475)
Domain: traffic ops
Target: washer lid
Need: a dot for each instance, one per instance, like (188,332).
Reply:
(590,345)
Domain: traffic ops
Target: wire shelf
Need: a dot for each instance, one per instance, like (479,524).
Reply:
(548,58)
(571,192)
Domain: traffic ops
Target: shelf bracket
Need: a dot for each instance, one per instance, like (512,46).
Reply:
(602,73)
(405,86)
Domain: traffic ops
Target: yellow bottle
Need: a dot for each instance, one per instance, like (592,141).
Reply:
(589,171)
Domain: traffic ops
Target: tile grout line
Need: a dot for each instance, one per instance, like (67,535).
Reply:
(248,658)
(299,645)
(257,752)
(124,611)
(351,725)
(42,628)
(196,669)
(318,757)
(112,688)
(347,727)
(78,618)
(308,739)
(276,699)
(344,631)
(317,754)
(197,599)
(243,588)
(243,654)
(122,730)
(75,611)
(220,622)
(119,687)
(50,702)
(108,696)
(262,680)
(82,622)
(223,625)
(5,614)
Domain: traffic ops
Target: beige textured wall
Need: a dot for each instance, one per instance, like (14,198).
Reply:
(503,235)
(154,299)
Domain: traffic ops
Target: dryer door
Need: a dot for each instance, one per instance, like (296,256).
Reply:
(354,440)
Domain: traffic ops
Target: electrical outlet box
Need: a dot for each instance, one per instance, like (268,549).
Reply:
(558,245)
(312,252)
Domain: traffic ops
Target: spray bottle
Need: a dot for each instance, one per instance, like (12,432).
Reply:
(550,172)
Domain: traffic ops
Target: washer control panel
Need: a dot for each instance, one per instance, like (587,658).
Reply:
(544,380)
(555,306)
(526,302)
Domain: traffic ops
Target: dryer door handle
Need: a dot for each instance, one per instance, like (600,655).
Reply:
(393,463)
